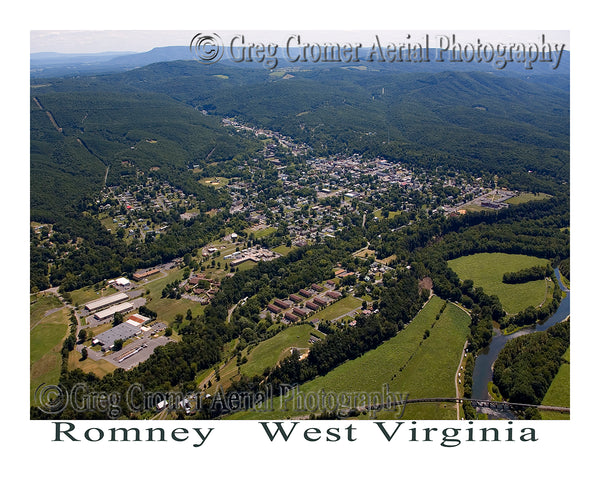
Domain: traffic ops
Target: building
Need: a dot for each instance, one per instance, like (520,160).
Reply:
(299,312)
(317,287)
(141,319)
(142,274)
(305,293)
(273,308)
(291,317)
(295,298)
(105,302)
(282,303)
(312,306)
(121,282)
(333,294)
(320,301)
(110,311)
(123,331)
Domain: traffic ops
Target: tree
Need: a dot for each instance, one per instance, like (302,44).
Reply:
(84,353)
(117,319)
(118,345)
(168,332)
(82,335)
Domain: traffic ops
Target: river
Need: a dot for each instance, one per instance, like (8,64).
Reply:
(482,373)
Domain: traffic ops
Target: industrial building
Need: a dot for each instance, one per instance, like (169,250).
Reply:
(121,282)
(106,302)
(142,274)
(110,311)
(123,331)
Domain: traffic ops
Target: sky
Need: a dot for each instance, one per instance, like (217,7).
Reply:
(96,41)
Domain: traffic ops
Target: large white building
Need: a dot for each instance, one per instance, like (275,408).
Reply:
(109,312)
(106,302)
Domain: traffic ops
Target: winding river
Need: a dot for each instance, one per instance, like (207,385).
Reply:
(482,373)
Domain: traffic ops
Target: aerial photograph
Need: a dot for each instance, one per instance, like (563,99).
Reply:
(301,225)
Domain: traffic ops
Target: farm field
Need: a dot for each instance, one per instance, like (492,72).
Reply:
(486,271)
(407,363)
(559,392)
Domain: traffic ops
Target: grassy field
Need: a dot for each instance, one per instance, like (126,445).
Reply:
(45,344)
(559,392)
(266,354)
(527,197)
(407,363)
(263,232)
(39,305)
(215,182)
(87,294)
(377,213)
(283,250)
(486,271)
(167,308)
(337,309)
(99,367)
(273,350)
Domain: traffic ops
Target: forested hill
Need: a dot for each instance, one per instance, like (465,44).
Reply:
(479,122)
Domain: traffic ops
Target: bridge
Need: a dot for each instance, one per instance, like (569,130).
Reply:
(493,404)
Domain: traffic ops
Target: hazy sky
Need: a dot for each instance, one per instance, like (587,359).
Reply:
(94,41)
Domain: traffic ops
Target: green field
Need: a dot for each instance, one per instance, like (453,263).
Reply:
(407,363)
(263,232)
(45,343)
(167,308)
(39,305)
(527,197)
(378,214)
(559,392)
(337,309)
(215,182)
(486,271)
(271,351)
(87,294)
(98,367)
(283,250)
(266,354)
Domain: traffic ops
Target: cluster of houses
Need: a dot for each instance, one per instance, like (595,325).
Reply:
(305,302)
(206,288)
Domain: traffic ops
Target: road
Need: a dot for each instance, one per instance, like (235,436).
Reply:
(462,355)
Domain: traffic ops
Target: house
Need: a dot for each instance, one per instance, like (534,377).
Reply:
(273,308)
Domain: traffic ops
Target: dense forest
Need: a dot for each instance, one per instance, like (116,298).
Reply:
(526,365)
